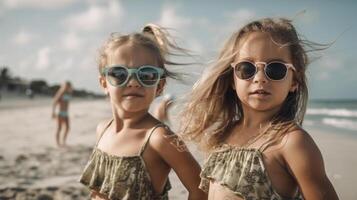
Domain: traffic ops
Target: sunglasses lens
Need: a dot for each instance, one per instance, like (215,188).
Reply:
(276,71)
(245,70)
(117,76)
(148,76)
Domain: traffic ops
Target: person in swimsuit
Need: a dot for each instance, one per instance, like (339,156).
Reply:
(61,99)
(247,111)
(135,152)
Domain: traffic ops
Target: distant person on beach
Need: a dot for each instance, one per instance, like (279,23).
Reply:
(247,111)
(61,99)
(162,109)
(134,152)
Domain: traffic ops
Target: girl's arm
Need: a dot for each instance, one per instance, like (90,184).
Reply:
(181,161)
(305,163)
(56,99)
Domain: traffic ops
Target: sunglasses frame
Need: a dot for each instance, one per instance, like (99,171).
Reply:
(132,71)
(265,64)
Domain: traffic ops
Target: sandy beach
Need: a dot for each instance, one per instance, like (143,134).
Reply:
(31,167)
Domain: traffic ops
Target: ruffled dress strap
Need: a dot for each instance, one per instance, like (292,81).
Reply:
(143,147)
(167,187)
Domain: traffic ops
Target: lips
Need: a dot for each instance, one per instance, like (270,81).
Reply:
(260,92)
(133,95)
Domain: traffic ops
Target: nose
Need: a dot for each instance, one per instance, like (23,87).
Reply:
(133,82)
(260,75)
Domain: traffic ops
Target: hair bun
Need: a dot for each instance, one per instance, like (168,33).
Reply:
(155,30)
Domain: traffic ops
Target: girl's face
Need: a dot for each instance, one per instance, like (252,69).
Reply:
(133,97)
(260,93)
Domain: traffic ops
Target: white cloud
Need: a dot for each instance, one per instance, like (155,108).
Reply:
(327,66)
(71,41)
(23,37)
(330,62)
(43,58)
(37,4)
(87,63)
(170,19)
(233,22)
(95,17)
(66,65)
(26,66)
(240,17)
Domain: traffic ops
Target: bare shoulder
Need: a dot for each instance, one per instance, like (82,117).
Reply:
(298,140)
(163,138)
(301,152)
(161,135)
(101,127)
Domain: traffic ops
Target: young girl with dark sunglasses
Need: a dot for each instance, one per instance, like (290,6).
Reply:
(247,110)
(135,152)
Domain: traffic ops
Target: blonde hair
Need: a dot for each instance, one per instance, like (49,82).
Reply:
(213,107)
(154,38)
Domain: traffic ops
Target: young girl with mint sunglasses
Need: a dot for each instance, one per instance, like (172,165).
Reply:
(135,152)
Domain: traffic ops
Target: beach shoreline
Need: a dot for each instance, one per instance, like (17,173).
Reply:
(32,166)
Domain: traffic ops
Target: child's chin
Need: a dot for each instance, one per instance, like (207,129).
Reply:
(261,107)
(135,108)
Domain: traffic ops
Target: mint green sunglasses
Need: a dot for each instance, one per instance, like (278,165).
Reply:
(119,75)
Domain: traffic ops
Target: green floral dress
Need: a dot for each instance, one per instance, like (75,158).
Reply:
(124,177)
(242,171)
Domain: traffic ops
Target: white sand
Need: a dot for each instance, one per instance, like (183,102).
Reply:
(30,163)
(31,166)
(339,151)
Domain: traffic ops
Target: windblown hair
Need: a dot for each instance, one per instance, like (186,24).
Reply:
(213,107)
(154,38)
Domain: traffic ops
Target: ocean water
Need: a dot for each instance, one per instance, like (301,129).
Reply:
(335,115)
(332,114)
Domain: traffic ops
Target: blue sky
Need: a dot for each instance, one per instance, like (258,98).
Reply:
(57,40)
